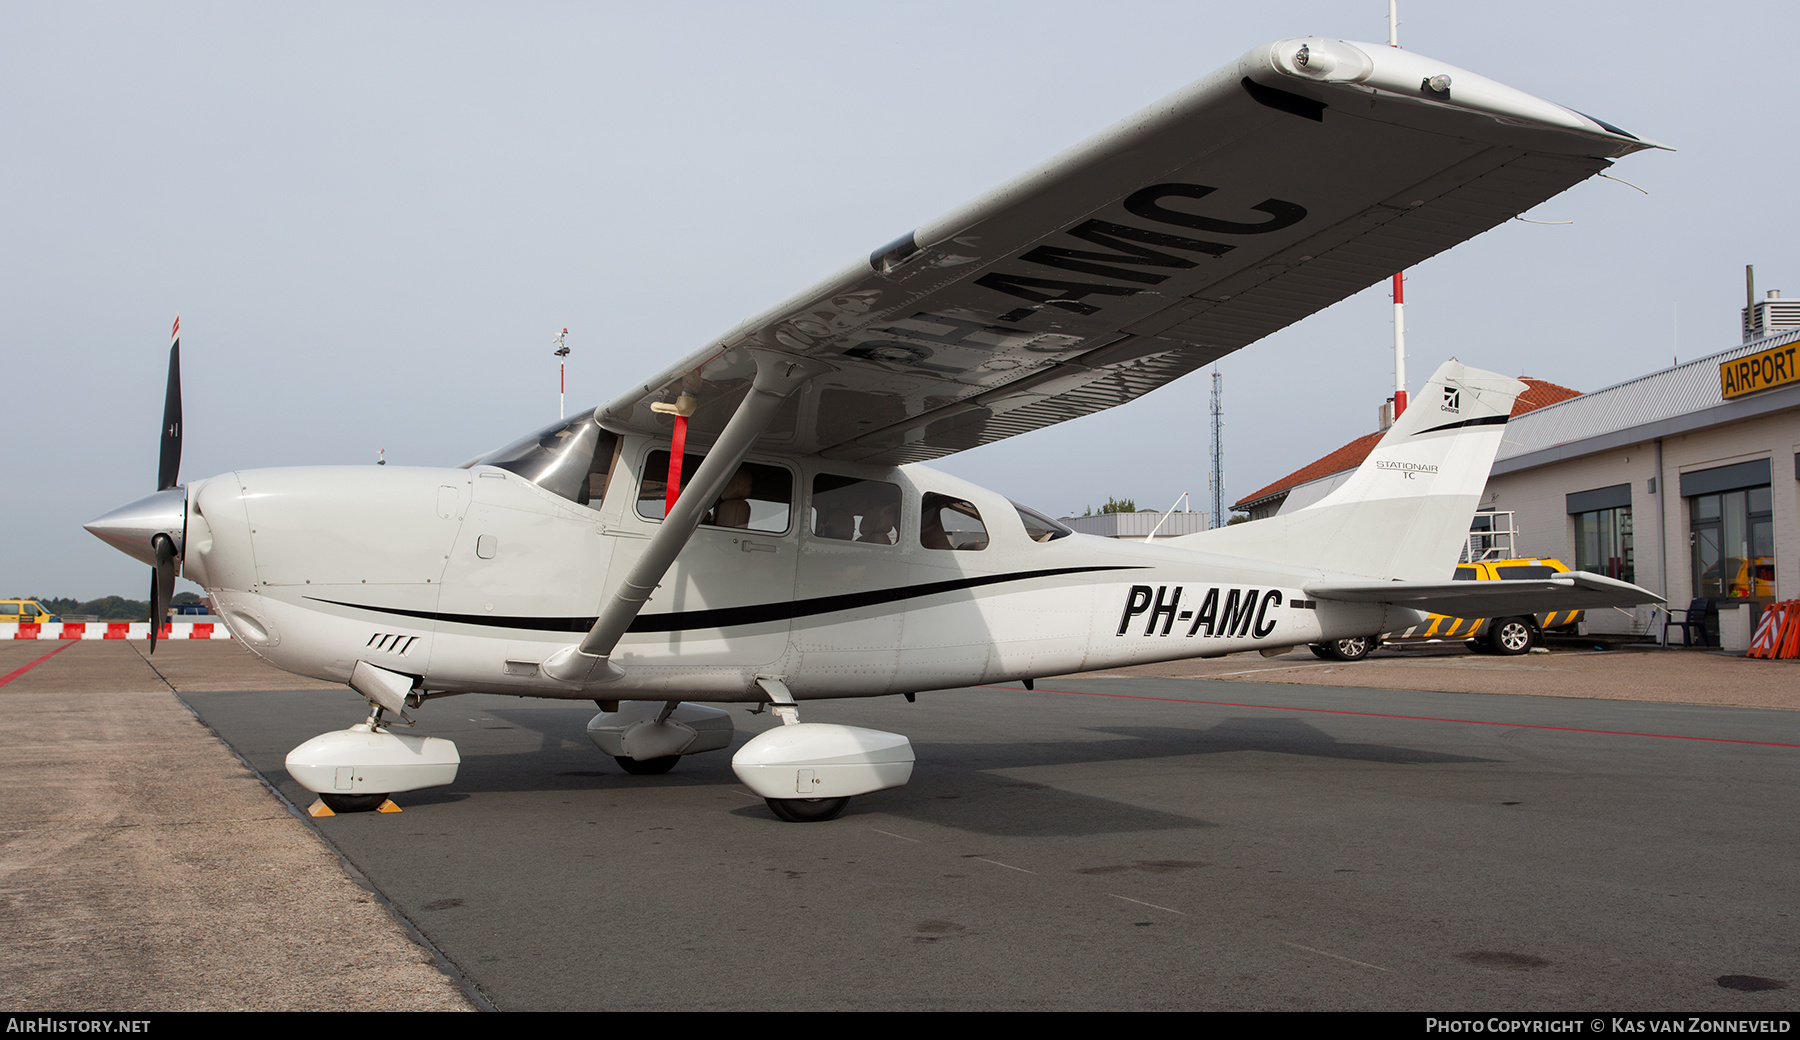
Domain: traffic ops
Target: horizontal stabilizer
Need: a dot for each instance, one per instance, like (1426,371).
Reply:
(1573,590)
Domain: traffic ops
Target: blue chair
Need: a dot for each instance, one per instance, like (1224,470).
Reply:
(1692,624)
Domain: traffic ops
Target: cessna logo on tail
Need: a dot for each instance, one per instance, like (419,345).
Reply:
(1241,612)
(1452,400)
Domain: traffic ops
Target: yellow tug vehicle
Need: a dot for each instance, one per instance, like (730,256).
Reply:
(1507,636)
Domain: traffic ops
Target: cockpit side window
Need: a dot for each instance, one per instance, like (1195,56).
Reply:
(1038,527)
(572,458)
(758,497)
(951,523)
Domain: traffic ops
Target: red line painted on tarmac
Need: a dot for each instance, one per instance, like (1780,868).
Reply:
(1410,718)
(15,673)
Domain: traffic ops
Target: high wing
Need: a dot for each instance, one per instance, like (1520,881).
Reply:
(1285,182)
(1571,590)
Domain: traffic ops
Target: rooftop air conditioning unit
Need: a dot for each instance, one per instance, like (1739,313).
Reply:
(1771,316)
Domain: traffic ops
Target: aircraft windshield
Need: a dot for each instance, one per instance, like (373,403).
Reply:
(570,458)
(1040,528)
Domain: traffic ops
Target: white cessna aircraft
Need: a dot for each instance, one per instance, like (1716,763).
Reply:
(751,525)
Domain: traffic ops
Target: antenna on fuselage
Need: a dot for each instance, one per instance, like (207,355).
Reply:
(562,358)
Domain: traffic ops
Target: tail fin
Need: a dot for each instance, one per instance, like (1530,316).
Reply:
(1405,513)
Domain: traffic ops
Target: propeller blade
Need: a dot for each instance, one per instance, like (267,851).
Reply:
(162,584)
(170,467)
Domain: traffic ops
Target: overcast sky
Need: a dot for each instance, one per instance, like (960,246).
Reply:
(373,219)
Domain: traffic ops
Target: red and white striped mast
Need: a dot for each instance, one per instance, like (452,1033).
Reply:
(1399,276)
(1399,344)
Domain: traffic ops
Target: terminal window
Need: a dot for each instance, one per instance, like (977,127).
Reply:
(1603,543)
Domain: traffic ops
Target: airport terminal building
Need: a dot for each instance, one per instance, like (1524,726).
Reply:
(1685,481)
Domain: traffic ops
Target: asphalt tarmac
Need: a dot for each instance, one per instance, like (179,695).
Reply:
(1108,843)
(1220,839)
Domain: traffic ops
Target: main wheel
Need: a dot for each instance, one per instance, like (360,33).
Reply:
(349,803)
(1511,636)
(807,810)
(1353,649)
(647,766)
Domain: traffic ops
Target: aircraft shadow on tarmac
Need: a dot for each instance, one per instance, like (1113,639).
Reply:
(962,785)
(1280,736)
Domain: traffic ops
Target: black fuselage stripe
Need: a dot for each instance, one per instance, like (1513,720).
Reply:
(1491,420)
(731,617)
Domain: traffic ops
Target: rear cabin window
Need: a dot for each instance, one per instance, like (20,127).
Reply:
(850,509)
(951,523)
(758,497)
(1466,574)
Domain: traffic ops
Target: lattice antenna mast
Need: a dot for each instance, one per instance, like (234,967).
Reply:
(1216,481)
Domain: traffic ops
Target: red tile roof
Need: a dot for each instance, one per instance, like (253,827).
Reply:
(1538,393)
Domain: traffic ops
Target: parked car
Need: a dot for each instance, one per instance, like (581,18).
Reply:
(28,611)
(1506,636)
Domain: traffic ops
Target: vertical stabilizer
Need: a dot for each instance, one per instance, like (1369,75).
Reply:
(1405,513)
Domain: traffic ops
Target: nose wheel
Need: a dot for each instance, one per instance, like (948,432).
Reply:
(352,803)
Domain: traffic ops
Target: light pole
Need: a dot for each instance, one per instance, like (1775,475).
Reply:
(562,360)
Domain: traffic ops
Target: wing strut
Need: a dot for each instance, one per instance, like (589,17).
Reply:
(777,376)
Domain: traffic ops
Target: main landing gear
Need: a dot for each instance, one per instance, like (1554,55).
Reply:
(647,738)
(807,810)
(807,772)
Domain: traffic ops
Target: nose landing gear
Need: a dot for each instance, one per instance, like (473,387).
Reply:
(356,769)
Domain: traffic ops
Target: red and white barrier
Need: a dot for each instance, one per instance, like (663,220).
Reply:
(114,630)
(1778,636)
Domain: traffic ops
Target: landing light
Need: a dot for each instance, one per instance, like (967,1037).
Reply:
(1314,62)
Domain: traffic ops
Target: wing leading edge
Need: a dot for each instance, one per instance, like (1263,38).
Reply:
(1285,182)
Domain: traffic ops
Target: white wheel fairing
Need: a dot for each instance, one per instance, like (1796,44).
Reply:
(359,760)
(814,760)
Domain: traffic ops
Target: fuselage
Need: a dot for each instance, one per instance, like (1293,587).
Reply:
(469,578)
